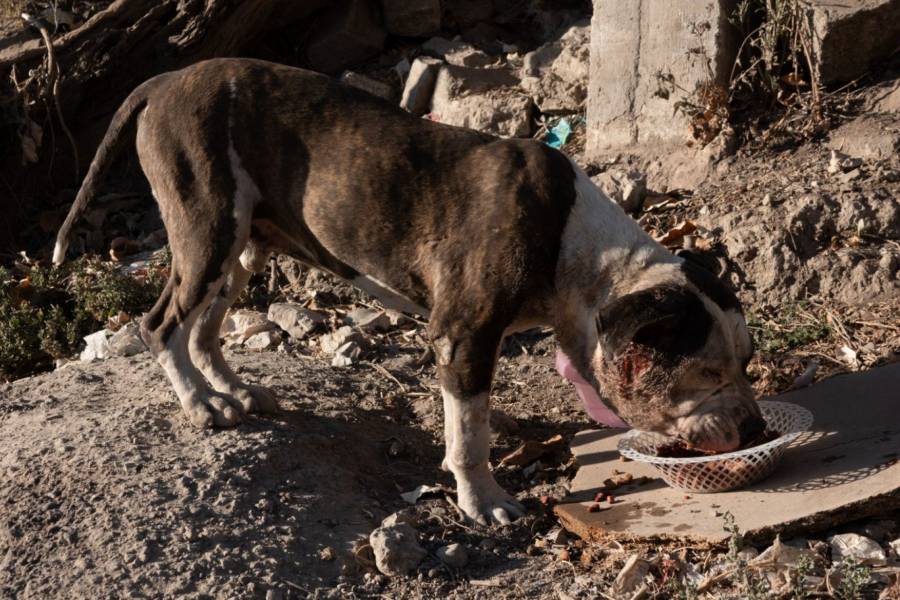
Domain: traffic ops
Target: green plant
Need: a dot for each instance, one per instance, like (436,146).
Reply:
(751,585)
(799,578)
(853,577)
(45,311)
(792,327)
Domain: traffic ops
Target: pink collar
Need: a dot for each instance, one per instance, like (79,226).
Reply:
(592,402)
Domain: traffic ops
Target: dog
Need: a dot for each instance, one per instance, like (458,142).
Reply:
(483,236)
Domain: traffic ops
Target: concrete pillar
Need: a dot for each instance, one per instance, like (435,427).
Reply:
(634,41)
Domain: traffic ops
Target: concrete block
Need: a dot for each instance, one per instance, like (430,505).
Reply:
(483,99)
(457,52)
(412,18)
(347,34)
(556,74)
(420,85)
(850,37)
(632,42)
(367,84)
(844,469)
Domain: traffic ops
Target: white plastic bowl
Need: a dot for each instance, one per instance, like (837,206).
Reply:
(727,471)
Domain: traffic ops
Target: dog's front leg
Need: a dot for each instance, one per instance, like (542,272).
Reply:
(465,367)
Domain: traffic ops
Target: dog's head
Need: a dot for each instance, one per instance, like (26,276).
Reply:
(671,358)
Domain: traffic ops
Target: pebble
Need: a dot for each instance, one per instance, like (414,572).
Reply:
(453,555)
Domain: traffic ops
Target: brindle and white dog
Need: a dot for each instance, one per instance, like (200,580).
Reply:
(485,236)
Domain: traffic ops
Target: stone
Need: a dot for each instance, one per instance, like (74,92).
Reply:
(841,471)
(406,516)
(411,18)
(628,189)
(298,321)
(453,555)
(482,99)
(347,34)
(97,346)
(457,52)
(869,137)
(556,74)
(888,101)
(632,42)
(851,37)
(239,325)
(397,549)
(631,577)
(367,84)
(368,320)
(846,546)
(330,342)
(127,341)
(420,85)
(895,548)
(346,355)
(263,340)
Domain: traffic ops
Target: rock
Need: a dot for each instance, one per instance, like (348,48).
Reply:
(869,137)
(346,355)
(411,18)
(239,325)
(97,347)
(299,322)
(397,550)
(332,341)
(407,516)
(628,189)
(556,74)
(858,547)
(624,105)
(263,340)
(780,555)
(420,85)
(453,555)
(347,34)
(457,52)
(631,577)
(367,84)
(850,37)
(482,99)
(369,320)
(127,341)
(895,548)
(889,101)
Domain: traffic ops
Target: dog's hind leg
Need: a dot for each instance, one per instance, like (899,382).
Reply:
(206,350)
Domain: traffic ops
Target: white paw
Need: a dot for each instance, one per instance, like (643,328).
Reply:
(213,409)
(484,501)
(256,399)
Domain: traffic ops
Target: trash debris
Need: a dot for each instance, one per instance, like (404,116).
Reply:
(631,577)
(239,325)
(413,496)
(453,555)
(397,549)
(850,356)
(674,236)
(264,340)
(296,320)
(558,134)
(97,347)
(628,189)
(368,85)
(864,550)
(368,320)
(127,341)
(532,450)
(419,85)
(346,355)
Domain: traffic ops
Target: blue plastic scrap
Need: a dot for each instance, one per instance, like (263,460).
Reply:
(558,134)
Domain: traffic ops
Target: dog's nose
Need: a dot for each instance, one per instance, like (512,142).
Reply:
(751,427)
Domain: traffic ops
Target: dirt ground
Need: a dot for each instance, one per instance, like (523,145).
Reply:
(107,491)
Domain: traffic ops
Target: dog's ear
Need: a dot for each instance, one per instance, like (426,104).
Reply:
(703,260)
(704,271)
(671,320)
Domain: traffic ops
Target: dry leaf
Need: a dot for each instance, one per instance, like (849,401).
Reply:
(532,450)
(674,236)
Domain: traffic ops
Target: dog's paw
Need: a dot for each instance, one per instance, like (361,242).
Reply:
(213,409)
(485,502)
(256,399)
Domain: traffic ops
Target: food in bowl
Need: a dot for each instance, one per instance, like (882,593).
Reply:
(679,448)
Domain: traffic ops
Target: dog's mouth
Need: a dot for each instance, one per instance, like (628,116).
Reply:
(721,428)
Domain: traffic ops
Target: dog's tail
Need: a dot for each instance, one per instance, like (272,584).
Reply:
(121,130)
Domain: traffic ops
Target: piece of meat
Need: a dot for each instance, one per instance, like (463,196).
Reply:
(681,449)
